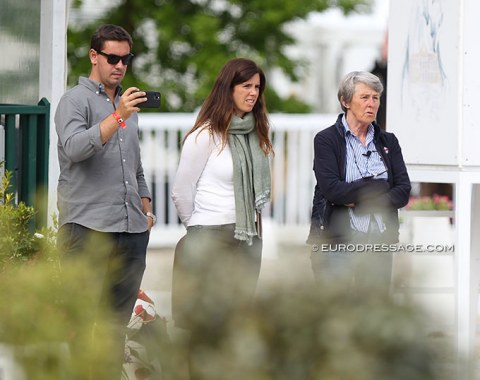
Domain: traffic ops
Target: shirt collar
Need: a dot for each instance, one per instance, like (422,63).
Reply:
(97,87)
(348,132)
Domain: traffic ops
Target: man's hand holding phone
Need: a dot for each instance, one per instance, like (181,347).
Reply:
(133,99)
(129,101)
(147,99)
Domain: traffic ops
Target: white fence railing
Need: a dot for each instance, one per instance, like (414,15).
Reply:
(292,175)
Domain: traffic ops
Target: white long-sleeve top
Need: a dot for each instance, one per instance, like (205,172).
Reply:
(203,190)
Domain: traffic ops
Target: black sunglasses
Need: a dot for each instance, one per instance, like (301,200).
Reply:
(113,59)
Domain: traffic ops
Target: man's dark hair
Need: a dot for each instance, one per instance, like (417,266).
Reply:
(109,32)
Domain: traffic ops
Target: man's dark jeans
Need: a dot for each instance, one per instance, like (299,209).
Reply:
(115,263)
(118,258)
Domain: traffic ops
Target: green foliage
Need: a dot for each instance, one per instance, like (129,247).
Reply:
(181,45)
(17,242)
(304,332)
(50,322)
(300,329)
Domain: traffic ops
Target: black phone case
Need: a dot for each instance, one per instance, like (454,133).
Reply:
(153,100)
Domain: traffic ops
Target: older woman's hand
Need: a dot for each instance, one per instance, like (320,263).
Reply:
(373,196)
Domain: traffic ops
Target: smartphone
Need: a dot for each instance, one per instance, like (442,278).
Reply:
(153,100)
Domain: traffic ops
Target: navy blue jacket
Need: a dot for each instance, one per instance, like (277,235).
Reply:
(330,218)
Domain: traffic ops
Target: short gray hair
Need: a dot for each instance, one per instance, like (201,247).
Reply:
(347,85)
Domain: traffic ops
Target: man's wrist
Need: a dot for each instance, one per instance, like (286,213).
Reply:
(151,215)
(119,119)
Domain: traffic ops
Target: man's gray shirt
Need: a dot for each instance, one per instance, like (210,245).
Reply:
(100,186)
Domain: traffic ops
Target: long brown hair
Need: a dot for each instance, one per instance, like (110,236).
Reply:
(217,111)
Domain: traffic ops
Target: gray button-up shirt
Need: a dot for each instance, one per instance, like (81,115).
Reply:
(100,186)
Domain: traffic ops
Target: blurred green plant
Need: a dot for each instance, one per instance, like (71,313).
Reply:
(308,333)
(49,322)
(297,328)
(49,325)
(181,45)
(17,242)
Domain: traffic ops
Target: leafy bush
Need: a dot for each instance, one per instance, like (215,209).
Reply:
(18,243)
(49,325)
(306,333)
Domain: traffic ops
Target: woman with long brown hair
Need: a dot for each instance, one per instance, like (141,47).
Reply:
(222,183)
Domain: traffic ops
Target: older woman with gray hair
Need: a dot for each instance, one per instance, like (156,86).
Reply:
(362,181)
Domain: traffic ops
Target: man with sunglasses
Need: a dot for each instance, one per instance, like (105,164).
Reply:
(105,212)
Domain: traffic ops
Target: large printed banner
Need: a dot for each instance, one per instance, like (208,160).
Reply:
(423,107)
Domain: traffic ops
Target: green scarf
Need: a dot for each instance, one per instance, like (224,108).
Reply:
(251,175)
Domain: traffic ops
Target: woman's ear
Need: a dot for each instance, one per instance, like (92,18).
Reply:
(344,103)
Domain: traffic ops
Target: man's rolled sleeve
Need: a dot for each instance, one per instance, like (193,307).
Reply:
(143,187)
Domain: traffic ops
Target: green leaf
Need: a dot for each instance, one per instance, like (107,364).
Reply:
(181,45)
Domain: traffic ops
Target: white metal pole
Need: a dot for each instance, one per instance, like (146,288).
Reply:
(52,80)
